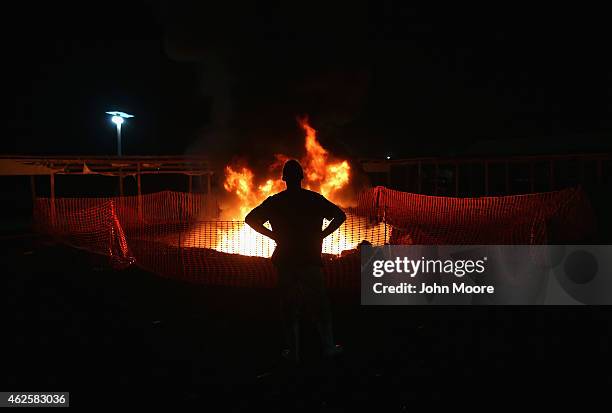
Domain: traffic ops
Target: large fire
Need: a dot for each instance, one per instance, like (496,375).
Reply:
(322,173)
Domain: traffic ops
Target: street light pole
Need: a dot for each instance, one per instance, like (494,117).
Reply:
(119,137)
(118,118)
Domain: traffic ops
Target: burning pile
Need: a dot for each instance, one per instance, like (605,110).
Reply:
(322,173)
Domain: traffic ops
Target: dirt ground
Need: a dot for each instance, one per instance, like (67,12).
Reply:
(130,337)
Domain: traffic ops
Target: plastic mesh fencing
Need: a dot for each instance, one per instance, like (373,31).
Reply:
(552,217)
(176,234)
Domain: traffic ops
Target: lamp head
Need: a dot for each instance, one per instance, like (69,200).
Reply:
(119,117)
(117,120)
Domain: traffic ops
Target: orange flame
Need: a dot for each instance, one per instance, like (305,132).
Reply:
(322,173)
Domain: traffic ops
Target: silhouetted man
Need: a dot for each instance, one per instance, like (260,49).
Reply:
(296,217)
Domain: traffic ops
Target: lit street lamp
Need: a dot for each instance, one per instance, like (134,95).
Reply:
(118,118)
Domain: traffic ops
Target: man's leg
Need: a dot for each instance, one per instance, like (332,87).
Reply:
(317,303)
(288,290)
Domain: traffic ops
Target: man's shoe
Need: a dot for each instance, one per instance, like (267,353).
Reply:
(334,351)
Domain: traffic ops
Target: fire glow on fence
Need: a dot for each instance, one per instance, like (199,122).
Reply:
(235,237)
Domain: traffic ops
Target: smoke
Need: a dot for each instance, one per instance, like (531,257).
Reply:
(216,138)
(257,81)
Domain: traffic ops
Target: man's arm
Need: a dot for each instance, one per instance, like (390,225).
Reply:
(257,218)
(337,217)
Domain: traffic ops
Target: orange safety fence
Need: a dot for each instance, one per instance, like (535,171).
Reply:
(177,234)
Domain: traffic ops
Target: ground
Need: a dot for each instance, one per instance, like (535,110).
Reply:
(109,337)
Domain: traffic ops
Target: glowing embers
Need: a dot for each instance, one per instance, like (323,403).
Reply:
(235,237)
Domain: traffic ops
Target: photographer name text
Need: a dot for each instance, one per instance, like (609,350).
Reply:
(455,288)
(403,266)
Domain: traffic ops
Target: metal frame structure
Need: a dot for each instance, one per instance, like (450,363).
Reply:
(384,166)
(120,167)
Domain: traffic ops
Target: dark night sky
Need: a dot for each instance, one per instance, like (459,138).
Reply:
(375,78)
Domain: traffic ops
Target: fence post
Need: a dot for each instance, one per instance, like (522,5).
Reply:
(419,177)
(436,177)
(33,187)
(53,216)
(180,229)
(385,223)
(486,177)
(456,179)
(139,195)
(507,177)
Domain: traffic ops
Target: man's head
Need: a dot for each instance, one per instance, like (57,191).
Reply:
(292,172)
